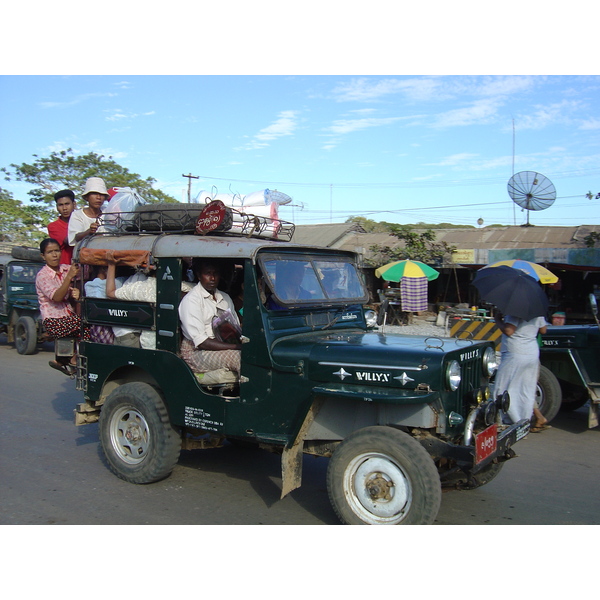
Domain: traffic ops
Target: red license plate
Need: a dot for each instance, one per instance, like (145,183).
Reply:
(486,443)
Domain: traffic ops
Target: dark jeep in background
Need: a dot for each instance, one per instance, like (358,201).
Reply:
(19,307)
(572,354)
(399,416)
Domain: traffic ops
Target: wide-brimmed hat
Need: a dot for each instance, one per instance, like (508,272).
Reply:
(95,184)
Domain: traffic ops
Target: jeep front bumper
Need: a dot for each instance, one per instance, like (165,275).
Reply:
(473,459)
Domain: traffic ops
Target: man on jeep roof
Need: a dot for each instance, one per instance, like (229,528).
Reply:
(59,229)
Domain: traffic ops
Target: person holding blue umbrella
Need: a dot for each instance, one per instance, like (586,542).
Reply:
(518,371)
(525,305)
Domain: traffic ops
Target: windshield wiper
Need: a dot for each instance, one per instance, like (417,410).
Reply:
(336,319)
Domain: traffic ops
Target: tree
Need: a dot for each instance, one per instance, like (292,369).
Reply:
(20,223)
(591,239)
(66,170)
(417,246)
(371,226)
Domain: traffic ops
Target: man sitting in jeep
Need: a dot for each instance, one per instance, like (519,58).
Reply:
(200,348)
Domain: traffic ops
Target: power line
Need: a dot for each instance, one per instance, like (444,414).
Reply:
(402,184)
(403,210)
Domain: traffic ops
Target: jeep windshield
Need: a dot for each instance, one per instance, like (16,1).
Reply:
(23,273)
(298,280)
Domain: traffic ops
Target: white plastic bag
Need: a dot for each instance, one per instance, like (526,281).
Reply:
(123,202)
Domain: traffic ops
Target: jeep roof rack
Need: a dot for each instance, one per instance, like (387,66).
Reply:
(182,218)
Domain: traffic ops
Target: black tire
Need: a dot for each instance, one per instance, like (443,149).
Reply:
(573,396)
(25,335)
(483,477)
(26,253)
(175,217)
(380,475)
(138,440)
(548,394)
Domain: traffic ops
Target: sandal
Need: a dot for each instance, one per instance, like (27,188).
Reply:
(539,428)
(62,368)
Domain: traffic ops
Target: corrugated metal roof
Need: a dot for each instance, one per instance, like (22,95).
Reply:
(330,235)
(540,244)
(510,237)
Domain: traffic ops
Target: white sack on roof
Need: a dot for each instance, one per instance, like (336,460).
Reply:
(264,197)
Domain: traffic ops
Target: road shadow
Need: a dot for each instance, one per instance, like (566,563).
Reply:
(64,401)
(573,421)
(45,347)
(262,470)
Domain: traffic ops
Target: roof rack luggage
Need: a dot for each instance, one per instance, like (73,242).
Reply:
(183,218)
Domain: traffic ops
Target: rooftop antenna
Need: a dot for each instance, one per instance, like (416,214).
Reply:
(513,169)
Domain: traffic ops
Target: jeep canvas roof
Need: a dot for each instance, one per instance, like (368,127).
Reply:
(177,245)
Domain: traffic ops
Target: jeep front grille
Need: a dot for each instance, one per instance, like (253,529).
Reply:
(471,377)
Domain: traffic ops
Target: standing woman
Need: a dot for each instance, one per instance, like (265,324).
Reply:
(85,221)
(519,367)
(55,295)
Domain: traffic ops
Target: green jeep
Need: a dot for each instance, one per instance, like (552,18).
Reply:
(19,309)
(399,415)
(572,353)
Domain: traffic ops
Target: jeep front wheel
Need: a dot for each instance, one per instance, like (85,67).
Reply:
(382,476)
(138,440)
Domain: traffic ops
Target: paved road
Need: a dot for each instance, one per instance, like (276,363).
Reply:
(52,472)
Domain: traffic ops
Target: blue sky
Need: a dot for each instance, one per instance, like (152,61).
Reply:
(392,112)
(397,148)
(354,120)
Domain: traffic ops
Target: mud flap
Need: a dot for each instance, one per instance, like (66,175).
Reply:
(594,390)
(593,415)
(291,458)
(291,468)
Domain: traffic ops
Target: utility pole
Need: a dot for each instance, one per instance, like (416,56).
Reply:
(190,177)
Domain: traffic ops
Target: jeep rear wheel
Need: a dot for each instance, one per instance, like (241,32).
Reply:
(382,476)
(138,440)
(573,396)
(548,394)
(25,335)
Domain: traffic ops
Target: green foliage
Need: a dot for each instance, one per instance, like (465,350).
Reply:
(421,245)
(591,239)
(21,223)
(371,226)
(65,170)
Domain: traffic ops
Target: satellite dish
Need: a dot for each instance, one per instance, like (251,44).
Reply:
(531,191)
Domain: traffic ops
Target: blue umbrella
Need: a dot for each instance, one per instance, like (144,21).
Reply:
(512,291)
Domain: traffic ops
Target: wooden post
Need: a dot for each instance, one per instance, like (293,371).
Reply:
(190,177)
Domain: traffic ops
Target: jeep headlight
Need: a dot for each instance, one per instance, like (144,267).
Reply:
(371,318)
(453,375)
(490,364)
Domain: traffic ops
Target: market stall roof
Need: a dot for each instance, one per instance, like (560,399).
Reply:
(479,246)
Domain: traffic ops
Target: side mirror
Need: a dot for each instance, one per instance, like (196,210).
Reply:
(593,304)
(382,310)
